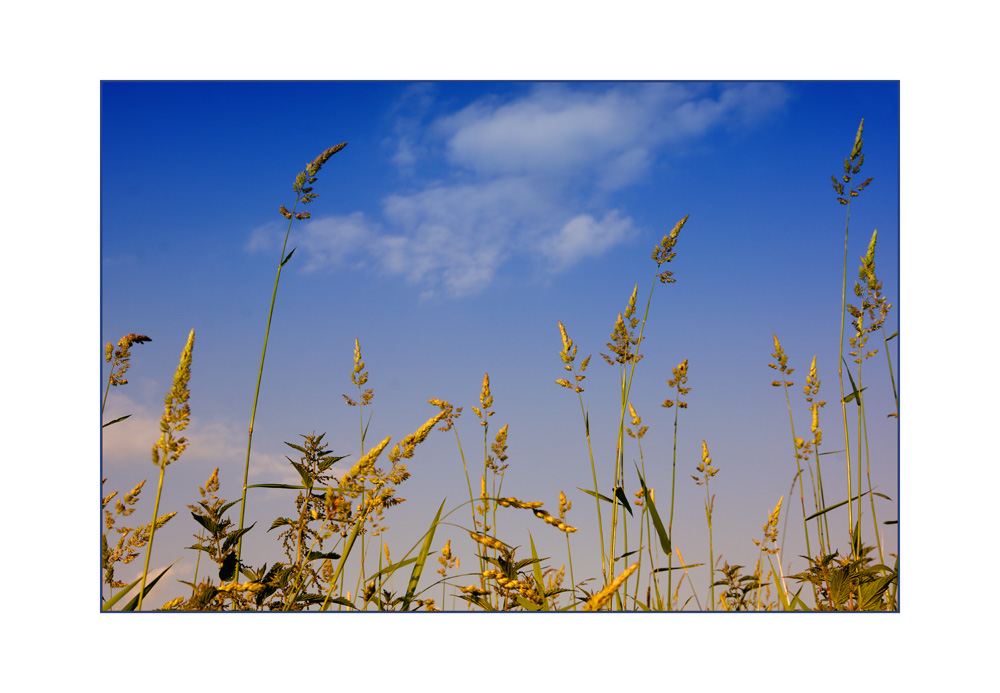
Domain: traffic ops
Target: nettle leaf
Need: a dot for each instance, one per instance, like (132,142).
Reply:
(304,473)
(206,523)
(280,522)
(235,537)
(228,570)
(329,462)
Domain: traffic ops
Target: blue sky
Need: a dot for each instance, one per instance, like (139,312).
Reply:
(459,225)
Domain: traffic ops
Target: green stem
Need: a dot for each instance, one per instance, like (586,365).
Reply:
(152,531)
(256,394)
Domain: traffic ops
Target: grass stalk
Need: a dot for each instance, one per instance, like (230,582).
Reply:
(304,194)
(176,415)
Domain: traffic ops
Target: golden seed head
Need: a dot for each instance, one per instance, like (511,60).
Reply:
(485,398)
(365,463)
(176,411)
(567,342)
(600,599)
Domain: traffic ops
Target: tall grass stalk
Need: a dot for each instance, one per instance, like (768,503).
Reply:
(625,346)
(707,471)
(852,166)
(875,307)
(176,415)
(677,382)
(304,194)
(568,356)
(781,366)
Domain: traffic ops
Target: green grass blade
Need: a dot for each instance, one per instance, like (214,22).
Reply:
(135,600)
(827,509)
(539,578)
(620,495)
(418,568)
(122,418)
(390,569)
(855,395)
(595,495)
(343,560)
(661,532)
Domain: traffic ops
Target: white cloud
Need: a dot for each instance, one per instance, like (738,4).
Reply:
(584,236)
(129,443)
(519,170)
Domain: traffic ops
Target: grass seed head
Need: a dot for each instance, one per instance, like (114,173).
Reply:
(176,411)
(599,600)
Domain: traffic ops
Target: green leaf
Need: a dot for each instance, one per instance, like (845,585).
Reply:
(679,567)
(235,537)
(318,555)
(364,433)
(206,523)
(855,395)
(595,495)
(418,568)
(539,578)
(893,335)
(280,522)
(287,258)
(227,506)
(304,473)
(348,545)
(657,523)
(228,569)
(527,604)
(389,569)
(620,495)
(328,462)
(135,600)
(122,418)
(824,511)
(288,486)
(851,397)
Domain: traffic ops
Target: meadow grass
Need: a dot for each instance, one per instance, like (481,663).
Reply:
(334,539)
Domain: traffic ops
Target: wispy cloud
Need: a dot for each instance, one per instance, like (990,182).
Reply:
(211,442)
(531,178)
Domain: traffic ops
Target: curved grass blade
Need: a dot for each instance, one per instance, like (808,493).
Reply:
(343,559)
(135,600)
(620,495)
(539,578)
(856,394)
(595,494)
(661,532)
(418,568)
(824,511)
(122,418)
